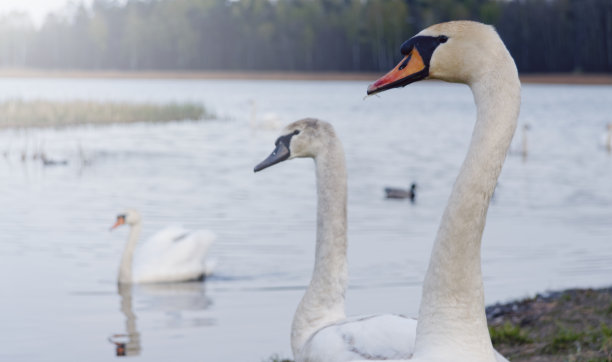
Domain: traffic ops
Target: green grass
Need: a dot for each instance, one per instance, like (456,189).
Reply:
(603,338)
(609,309)
(508,334)
(575,325)
(565,340)
(43,113)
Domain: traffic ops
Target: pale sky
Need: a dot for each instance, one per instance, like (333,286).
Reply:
(37,9)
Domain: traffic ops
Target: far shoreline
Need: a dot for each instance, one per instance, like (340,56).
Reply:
(552,78)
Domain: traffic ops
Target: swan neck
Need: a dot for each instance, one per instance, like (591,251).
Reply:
(323,301)
(452,307)
(125,268)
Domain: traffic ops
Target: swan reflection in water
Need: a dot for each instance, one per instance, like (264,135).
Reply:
(170,298)
(127,344)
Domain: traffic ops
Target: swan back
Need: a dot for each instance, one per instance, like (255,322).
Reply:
(384,336)
(173,254)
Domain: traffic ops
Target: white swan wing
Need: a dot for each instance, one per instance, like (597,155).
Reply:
(173,254)
(383,337)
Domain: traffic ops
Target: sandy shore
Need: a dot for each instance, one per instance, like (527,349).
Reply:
(562,78)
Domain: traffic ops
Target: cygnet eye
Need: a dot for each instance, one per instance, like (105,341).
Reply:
(297,131)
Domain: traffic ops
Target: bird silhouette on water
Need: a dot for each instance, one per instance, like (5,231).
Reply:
(398,193)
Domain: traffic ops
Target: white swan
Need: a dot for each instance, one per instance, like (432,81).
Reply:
(268,121)
(172,255)
(452,323)
(607,138)
(524,145)
(320,329)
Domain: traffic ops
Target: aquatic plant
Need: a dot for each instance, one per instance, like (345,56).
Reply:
(46,113)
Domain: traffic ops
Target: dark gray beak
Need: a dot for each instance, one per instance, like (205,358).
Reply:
(280,154)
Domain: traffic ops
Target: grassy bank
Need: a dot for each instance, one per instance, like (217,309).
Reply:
(573,325)
(567,326)
(43,113)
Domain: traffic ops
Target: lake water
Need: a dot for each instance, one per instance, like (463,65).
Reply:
(549,225)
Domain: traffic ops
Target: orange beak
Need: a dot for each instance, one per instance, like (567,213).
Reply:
(120,221)
(409,70)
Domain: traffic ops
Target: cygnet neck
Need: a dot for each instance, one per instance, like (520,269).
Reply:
(323,301)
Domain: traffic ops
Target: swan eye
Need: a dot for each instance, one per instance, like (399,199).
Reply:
(286,138)
(442,39)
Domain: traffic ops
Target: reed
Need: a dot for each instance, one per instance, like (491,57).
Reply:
(45,113)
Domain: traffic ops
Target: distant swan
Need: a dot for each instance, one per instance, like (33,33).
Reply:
(397,193)
(320,330)
(268,121)
(524,144)
(172,255)
(452,322)
(607,138)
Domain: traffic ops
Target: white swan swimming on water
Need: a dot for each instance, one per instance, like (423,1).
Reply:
(452,323)
(320,329)
(606,139)
(172,255)
(268,120)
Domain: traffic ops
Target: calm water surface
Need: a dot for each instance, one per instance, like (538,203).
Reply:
(549,225)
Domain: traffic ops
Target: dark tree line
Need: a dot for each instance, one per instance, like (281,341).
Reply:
(298,35)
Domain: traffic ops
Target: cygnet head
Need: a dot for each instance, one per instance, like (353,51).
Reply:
(130,217)
(456,51)
(304,138)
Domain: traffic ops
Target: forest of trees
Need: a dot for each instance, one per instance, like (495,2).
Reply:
(297,35)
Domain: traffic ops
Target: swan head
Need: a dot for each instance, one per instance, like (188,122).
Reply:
(304,138)
(129,217)
(455,51)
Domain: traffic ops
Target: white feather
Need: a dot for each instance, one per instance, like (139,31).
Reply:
(371,337)
(173,254)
